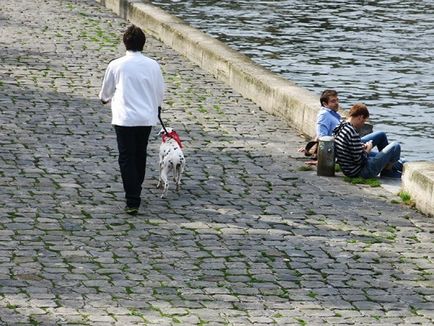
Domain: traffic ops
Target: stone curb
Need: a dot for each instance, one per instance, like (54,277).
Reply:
(418,181)
(272,93)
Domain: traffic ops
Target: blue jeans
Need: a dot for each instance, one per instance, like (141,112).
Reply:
(379,139)
(375,164)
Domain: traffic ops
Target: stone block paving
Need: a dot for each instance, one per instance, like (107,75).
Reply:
(251,239)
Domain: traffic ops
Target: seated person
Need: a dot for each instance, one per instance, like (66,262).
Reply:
(328,117)
(355,157)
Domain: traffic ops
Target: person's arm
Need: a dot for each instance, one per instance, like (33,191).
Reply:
(160,87)
(323,126)
(108,86)
(357,147)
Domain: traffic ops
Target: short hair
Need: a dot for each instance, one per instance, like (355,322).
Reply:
(134,38)
(359,109)
(325,96)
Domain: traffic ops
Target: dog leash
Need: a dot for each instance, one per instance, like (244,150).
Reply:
(161,121)
(172,134)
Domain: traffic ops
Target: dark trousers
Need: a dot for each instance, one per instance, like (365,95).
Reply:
(132,145)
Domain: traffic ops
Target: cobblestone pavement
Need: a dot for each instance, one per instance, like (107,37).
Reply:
(250,239)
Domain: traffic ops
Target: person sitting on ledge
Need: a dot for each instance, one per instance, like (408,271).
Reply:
(355,157)
(327,119)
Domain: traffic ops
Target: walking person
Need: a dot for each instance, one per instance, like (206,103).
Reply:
(135,87)
(354,156)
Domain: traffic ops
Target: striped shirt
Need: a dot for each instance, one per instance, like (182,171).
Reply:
(349,151)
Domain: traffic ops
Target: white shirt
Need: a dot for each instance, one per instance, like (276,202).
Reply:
(135,86)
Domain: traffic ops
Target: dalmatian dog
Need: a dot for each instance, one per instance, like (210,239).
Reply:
(171,159)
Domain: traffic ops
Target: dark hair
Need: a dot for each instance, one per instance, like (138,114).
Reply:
(359,109)
(325,96)
(134,38)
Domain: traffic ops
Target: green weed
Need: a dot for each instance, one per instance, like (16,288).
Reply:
(373,182)
(305,168)
(406,198)
(312,294)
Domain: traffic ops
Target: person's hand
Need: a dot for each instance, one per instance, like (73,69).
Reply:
(301,150)
(368,146)
(311,163)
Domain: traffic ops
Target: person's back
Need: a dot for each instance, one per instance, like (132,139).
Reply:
(138,90)
(348,149)
(328,117)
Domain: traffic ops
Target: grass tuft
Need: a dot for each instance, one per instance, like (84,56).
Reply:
(406,198)
(373,182)
(305,168)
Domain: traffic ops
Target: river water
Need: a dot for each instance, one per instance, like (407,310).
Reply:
(379,52)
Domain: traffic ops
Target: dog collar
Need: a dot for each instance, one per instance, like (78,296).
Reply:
(174,135)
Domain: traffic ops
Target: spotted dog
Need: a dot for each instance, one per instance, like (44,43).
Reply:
(171,159)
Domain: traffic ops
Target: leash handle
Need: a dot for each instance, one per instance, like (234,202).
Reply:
(161,121)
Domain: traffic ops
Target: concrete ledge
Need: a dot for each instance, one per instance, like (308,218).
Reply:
(418,181)
(274,94)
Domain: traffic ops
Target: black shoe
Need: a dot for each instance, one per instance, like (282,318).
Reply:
(391,174)
(131,210)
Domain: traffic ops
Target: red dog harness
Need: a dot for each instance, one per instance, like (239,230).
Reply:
(172,135)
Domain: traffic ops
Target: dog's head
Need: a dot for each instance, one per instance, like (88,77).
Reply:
(162,132)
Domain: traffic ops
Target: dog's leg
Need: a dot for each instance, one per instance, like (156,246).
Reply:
(160,184)
(164,176)
(179,170)
(175,172)
(177,175)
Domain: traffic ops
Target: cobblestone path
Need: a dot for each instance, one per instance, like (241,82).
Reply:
(251,239)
